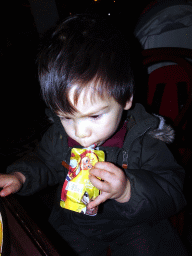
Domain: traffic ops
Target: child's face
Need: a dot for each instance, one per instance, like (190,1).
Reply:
(95,121)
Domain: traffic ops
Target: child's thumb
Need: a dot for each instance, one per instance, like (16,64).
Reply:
(11,183)
(8,190)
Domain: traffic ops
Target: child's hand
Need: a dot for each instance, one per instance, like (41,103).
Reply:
(11,183)
(115,184)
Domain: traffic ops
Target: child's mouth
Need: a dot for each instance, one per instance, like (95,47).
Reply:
(93,146)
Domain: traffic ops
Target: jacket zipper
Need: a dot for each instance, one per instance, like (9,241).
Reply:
(125,159)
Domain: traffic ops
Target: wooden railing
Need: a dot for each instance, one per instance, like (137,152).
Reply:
(35,237)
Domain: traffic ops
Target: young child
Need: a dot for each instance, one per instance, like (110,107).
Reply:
(87,82)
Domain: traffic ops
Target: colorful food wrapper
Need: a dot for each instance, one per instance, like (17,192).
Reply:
(77,190)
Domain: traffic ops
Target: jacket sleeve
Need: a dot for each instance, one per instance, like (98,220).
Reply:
(39,167)
(156,184)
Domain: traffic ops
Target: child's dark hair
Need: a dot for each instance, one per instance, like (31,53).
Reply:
(84,50)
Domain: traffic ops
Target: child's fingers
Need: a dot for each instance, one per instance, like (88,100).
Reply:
(102,174)
(5,192)
(98,200)
(9,184)
(105,166)
(10,189)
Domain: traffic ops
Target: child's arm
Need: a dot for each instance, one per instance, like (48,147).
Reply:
(40,166)
(11,183)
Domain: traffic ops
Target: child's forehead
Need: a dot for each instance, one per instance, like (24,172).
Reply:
(88,103)
(87,96)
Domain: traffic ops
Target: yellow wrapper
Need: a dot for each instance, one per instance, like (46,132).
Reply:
(77,190)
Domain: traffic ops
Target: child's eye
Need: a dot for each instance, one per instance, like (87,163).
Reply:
(95,117)
(65,118)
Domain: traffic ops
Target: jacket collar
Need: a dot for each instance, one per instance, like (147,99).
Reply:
(141,122)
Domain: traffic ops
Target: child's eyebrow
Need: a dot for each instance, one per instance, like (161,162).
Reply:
(95,112)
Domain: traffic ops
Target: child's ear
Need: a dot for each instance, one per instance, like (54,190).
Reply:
(128,104)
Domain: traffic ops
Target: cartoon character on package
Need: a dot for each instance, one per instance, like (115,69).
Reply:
(77,189)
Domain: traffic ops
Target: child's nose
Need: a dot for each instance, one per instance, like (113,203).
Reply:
(81,131)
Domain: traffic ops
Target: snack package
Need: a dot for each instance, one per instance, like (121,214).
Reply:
(77,190)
